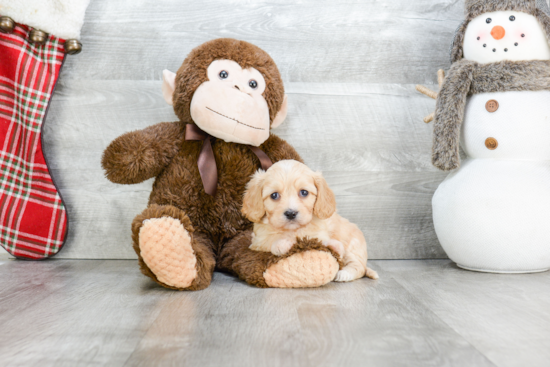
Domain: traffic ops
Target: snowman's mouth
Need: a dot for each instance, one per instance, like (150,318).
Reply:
(505,49)
(495,50)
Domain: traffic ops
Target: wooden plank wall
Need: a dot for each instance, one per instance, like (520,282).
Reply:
(349,68)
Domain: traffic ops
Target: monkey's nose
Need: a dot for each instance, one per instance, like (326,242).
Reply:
(498,32)
(291,214)
(236,86)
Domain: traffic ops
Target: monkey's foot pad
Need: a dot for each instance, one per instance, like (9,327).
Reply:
(302,270)
(166,249)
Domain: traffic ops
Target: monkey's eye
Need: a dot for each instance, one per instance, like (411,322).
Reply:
(489,20)
(304,193)
(275,196)
(253,84)
(512,18)
(224,74)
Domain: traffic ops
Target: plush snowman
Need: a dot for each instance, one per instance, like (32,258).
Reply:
(492,213)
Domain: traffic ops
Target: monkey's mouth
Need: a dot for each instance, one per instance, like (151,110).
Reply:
(231,118)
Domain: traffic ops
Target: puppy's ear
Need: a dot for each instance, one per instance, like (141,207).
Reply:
(253,204)
(325,205)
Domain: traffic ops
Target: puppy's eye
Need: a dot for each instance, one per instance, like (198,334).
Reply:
(304,193)
(488,20)
(275,196)
(253,84)
(224,74)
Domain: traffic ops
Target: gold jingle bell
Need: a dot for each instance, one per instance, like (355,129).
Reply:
(38,37)
(73,47)
(6,24)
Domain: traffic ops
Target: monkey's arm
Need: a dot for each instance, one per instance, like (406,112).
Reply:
(139,155)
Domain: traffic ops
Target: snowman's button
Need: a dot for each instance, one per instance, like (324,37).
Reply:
(491,105)
(491,143)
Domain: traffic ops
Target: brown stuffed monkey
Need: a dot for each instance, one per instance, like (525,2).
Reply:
(228,94)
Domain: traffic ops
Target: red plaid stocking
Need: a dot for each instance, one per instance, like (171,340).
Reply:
(33,220)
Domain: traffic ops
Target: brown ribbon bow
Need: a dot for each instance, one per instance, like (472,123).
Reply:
(207,162)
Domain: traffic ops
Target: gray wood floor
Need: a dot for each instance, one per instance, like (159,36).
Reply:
(420,313)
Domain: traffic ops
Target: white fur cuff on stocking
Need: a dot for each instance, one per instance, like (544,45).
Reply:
(61,18)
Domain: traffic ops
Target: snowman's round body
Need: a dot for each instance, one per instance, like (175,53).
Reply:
(493,213)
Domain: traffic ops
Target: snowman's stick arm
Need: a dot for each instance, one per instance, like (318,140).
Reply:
(440,77)
(430,93)
(429,118)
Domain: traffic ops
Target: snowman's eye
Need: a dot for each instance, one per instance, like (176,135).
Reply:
(512,18)
(488,20)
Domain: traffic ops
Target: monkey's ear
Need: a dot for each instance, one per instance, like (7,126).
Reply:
(281,115)
(168,85)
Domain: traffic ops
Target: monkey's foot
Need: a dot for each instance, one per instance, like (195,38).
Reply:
(166,248)
(307,264)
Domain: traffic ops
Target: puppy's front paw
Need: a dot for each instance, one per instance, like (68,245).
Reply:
(281,247)
(336,246)
(343,276)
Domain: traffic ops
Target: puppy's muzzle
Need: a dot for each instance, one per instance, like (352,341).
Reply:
(291,214)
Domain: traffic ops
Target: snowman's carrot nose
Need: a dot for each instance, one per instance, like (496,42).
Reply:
(498,32)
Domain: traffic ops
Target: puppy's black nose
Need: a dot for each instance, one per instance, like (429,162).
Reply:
(291,214)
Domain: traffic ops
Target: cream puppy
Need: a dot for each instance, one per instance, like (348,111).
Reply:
(290,201)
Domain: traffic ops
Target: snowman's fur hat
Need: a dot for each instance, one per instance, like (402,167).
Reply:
(537,8)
